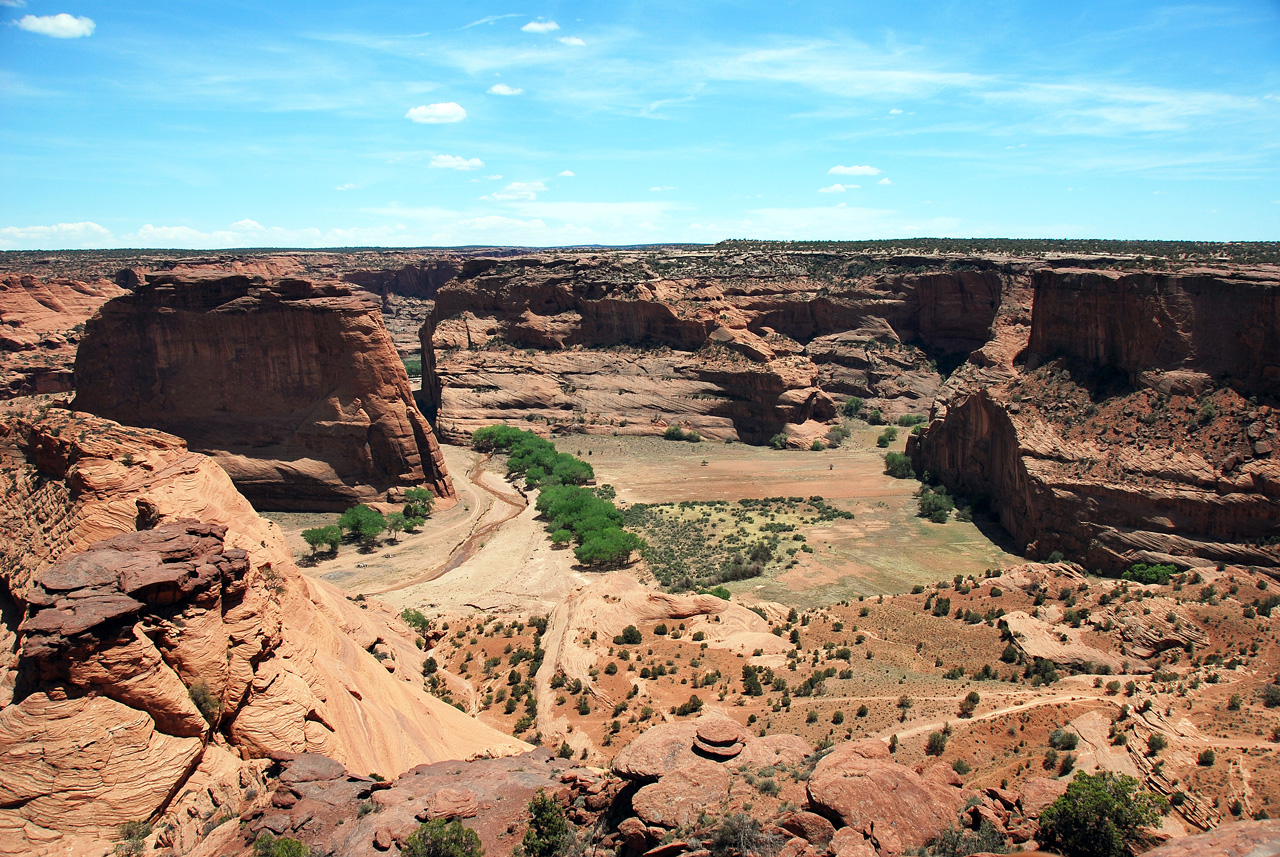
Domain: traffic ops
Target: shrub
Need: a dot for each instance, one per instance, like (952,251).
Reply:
(1271,695)
(969,704)
(1207,758)
(440,838)
(1099,816)
(935,505)
(778,441)
(630,636)
(887,437)
(1156,743)
(548,831)
(1155,573)
(1061,739)
(209,704)
(961,767)
(267,845)
(955,842)
(741,834)
(898,466)
(936,744)
(852,406)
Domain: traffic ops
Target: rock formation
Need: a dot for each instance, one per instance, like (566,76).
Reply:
(740,346)
(292,387)
(156,633)
(1134,420)
(41,321)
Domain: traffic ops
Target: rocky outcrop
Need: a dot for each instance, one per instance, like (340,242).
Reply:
(735,346)
(1119,430)
(292,387)
(156,634)
(1206,326)
(41,320)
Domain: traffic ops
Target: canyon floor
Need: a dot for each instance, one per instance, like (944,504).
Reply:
(489,553)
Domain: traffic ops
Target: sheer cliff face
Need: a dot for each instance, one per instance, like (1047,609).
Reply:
(735,346)
(294,388)
(1135,421)
(150,672)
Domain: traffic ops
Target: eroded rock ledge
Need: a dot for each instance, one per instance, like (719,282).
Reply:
(293,387)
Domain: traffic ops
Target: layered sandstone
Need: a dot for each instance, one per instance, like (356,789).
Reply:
(739,346)
(41,320)
(1135,420)
(156,633)
(293,387)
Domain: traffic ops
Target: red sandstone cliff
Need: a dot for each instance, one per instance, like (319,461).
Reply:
(1135,420)
(736,346)
(292,387)
(149,673)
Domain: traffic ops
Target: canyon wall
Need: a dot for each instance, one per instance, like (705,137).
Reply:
(158,644)
(293,387)
(1134,420)
(735,346)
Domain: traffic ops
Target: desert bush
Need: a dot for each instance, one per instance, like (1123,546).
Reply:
(363,523)
(936,744)
(955,842)
(887,437)
(1153,573)
(267,845)
(548,832)
(898,466)
(1101,815)
(742,835)
(936,505)
(440,838)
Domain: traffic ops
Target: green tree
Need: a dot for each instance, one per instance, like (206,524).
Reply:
(440,838)
(936,505)
(418,503)
(936,744)
(887,437)
(1101,815)
(396,523)
(548,832)
(314,537)
(898,466)
(332,537)
(362,523)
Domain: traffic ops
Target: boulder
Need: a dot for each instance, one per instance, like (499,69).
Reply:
(680,796)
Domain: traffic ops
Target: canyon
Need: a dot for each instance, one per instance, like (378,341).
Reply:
(164,657)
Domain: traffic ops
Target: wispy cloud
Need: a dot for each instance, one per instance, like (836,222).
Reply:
(437,114)
(488,19)
(85,234)
(572,41)
(13,4)
(884,181)
(566,174)
(853,171)
(837,188)
(455,162)
(503,89)
(541,27)
(60,26)
(517,191)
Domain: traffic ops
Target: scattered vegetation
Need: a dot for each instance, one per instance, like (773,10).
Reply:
(440,838)
(1101,815)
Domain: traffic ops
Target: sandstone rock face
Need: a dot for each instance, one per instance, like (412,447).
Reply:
(41,320)
(734,346)
(1219,324)
(292,387)
(895,808)
(1115,430)
(131,662)
(1241,838)
(330,812)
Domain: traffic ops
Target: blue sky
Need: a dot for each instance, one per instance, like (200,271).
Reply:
(235,124)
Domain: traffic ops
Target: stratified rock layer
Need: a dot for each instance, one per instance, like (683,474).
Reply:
(132,663)
(293,388)
(1135,420)
(740,346)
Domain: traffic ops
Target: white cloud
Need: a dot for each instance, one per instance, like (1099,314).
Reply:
(572,40)
(60,26)
(59,236)
(853,171)
(494,177)
(13,4)
(455,162)
(884,181)
(347,186)
(247,225)
(661,188)
(894,112)
(838,188)
(567,174)
(503,89)
(527,191)
(540,27)
(437,114)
